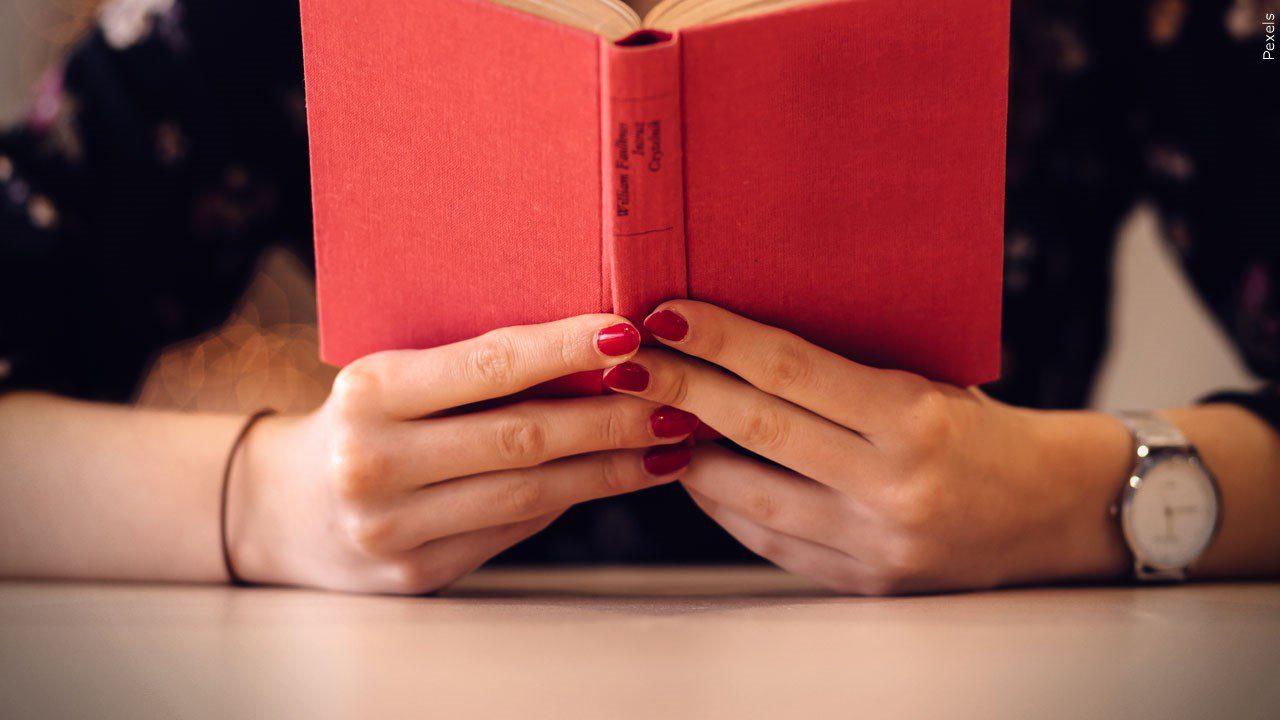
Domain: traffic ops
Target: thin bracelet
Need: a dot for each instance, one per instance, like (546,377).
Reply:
(226,491)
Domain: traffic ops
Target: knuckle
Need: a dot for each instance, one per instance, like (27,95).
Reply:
(844,587)
(617,474)
(521,441)
(616,429)
(915,505)
(842,580)
(763,428)
(569,344)
(370,533)
(354,387)
(760,505)
(767,546)
(411,578)
(711,342)
(493,361)
(931,422)
(675,392)
(848,583)
(903,379)
(522,496)
(880,586)
(906,563)
(357,468)
(785,367)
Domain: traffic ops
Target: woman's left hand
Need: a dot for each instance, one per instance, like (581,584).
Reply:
(885,482)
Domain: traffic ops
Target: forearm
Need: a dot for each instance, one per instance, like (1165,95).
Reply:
(1243,453)
(90,490)
(1091,454)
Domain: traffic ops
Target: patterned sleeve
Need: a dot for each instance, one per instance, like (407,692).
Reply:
(155,164)
(1209,137)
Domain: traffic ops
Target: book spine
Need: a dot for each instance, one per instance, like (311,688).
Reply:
(642,194)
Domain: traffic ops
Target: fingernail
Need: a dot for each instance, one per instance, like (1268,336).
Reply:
(627,376)
(669,422)
(666,459)
(620,339)
(667,324)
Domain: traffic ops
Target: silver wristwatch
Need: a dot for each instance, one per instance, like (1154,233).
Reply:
(1170,506)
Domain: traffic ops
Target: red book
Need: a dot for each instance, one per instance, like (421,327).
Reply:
(834,168)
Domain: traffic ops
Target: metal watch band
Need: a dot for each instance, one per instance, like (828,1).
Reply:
(1153,431)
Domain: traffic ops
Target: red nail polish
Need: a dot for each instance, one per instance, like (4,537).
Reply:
(667,324)
(627,376)
(665,460)
(620,339)
(669,422)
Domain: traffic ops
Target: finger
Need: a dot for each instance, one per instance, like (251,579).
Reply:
(437,564)
(415,383)
(501,498)
(783,364)
(773,497)
(762,423)
(829,568)
(532,433)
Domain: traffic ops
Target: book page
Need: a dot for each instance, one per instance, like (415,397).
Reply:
(676,14)
(614,19)
(611,19)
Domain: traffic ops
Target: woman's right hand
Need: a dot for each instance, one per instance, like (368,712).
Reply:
(381,491)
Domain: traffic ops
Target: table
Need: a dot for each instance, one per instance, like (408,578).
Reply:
(637,643)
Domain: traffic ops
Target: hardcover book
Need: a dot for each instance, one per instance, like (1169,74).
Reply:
(835,168)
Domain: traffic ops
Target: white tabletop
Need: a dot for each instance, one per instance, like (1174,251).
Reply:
(637,643)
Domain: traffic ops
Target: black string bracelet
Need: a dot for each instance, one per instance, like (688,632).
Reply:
(232,576)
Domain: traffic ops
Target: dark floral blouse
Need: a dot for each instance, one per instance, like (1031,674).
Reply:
(169,151)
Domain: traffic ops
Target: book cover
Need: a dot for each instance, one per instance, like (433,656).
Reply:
(835,169)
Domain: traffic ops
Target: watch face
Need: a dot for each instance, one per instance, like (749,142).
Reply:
(1173,512)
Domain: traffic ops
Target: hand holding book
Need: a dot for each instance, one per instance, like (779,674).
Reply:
(384,489)
(885,482)
(834,169)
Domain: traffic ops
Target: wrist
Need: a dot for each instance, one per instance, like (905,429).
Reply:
(256,545)
(1086,456)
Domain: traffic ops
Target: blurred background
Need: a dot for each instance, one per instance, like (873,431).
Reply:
(1165,349)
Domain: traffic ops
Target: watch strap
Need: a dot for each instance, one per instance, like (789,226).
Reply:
(1153,431)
